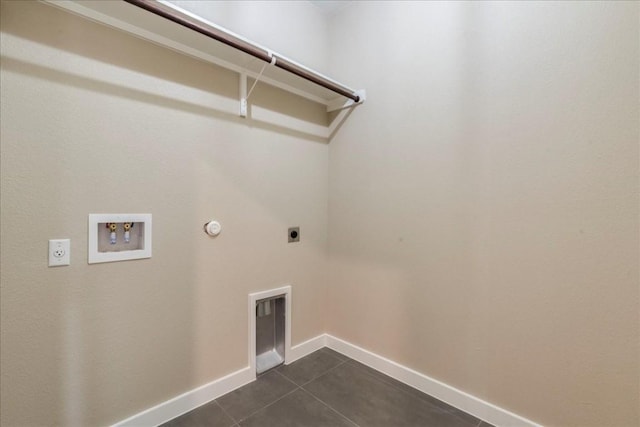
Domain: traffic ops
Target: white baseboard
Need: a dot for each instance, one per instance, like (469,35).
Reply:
(184,403)
(199,396)
(303,349)
(457,398)
(190,400)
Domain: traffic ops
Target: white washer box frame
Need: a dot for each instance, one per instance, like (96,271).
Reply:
(96,256)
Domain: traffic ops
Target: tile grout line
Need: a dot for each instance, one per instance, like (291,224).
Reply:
(342,362)
(266,406)
(226,413)
(286,378)
(390,383)
(330,407)
(299,387)
(237,422)
(407,393)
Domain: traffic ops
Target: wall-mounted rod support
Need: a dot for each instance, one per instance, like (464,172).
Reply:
(245,46)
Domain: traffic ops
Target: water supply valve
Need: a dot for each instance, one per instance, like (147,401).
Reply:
(112,226)
(127,231)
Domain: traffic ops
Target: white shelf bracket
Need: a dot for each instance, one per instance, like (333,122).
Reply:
(244,95)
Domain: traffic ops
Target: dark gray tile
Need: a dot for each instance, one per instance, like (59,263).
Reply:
(309,367)
(210,414)
(250,398)
(470,419)
(415,392)
(485,424)
(369,401)
(392,381)
(335,354)
(294,410)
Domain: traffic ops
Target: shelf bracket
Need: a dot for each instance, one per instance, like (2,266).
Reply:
(244,95)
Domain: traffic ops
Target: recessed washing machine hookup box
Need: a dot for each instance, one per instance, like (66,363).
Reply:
(119,237)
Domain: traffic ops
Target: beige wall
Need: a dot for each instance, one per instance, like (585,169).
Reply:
(483,205)
(296,29)
(483,215)
(97,121)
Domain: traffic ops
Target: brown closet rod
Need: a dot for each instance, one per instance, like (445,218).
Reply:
(246,47)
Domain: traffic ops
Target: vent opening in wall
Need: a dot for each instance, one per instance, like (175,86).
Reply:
(269,329)
(270,333)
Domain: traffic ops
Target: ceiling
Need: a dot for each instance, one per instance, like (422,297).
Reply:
(331,7)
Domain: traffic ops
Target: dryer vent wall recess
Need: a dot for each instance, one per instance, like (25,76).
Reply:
(119,237)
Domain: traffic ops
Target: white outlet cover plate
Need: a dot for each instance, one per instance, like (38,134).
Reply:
(59,252)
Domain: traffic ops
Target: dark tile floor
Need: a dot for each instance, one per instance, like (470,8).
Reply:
(325,389)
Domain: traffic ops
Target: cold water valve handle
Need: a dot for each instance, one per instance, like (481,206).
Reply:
(112,226)
(127,231)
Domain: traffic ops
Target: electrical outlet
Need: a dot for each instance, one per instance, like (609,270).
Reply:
(59,252)
(294,234)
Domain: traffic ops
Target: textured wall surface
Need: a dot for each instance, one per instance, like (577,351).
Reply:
(484,201)
(480,209)
(95,121)
(296,29)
